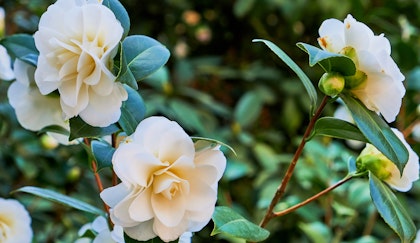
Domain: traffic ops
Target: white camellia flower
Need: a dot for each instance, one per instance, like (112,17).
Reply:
(168,188)
(102,231)
(378,80)
(6,72)
(15,222)
(34,111)
(77,41)
(373,160)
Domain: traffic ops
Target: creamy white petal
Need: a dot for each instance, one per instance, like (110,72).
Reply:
(357,34)
(169,233)
(113,195)
(6,72)
(142,232)
(411,170)
(141,208)
(169,212)
(15,222)
(331,35)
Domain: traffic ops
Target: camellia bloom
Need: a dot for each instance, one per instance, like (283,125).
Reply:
(378,80)
(374,161)
(75,57)
(6,72)
(34,111)
(168,187)
(15,222)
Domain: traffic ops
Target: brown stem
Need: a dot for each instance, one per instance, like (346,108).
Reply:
(293,208)
(96,175)
(280,190)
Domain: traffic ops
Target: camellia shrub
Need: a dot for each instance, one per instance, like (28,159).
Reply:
(77,81)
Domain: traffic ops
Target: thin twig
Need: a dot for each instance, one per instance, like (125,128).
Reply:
(293,208)
(281,189)
(96,175)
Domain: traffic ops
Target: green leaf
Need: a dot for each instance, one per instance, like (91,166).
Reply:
(201,143)
(133,110)
(120,13)
(102,152)
(316,231)
(391,210)
(377,131)
(330,62)
(302,76)
(187,115)
(248,109)
(80,129)
(55,129)
(332,127)
(143,56)
(60,198)
(229,222)
(21,46)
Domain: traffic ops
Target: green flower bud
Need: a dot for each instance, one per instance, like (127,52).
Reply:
(350,52)
(374,161)
(356,80)
(331,84)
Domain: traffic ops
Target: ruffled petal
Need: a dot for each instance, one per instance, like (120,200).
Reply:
(141,232)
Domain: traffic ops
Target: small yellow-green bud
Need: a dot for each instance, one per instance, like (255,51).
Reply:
(371,159)
(356,80)
(49,142)
(331,84)
(350,52)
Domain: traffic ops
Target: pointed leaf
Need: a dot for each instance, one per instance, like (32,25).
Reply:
(330,62)
(143,55)
(21,46)
(120,13)
(60,198)
(80,129)
(201,143)
(377,131)
(125,76)
(55,129)
(302,76)
(133,110)
(229,222)
(391,210)
(102,152)
(332,127)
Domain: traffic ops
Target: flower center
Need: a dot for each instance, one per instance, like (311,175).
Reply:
(4,231)
(169,185)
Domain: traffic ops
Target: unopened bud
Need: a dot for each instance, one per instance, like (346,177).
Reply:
(356,80)
(331,84)
(371,159)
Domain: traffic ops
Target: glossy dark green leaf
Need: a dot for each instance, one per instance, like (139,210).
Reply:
(333,127)
(80,129)
(330,62)
(142,56)
(229,222)
(60,198)
(310,89)
(120,13)
(133,111)
(377,131)
(55,129)
(21,46)
(391,210)
(102,152)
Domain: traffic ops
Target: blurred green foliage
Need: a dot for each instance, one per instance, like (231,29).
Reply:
(218,84)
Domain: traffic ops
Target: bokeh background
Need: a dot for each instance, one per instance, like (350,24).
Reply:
(219,84)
